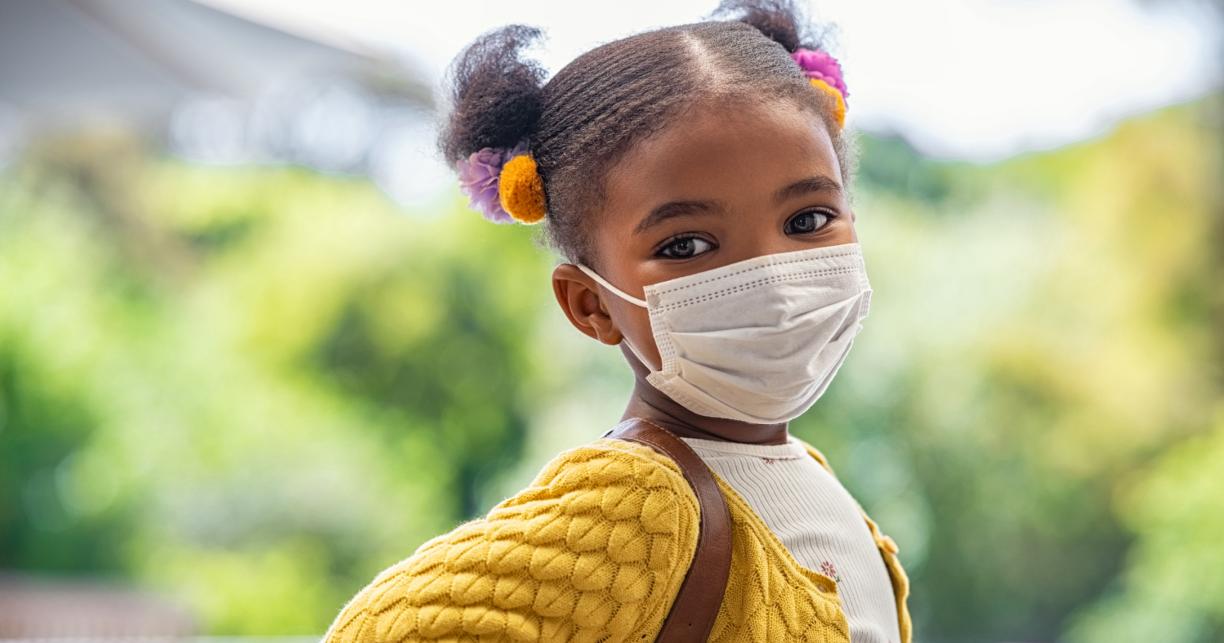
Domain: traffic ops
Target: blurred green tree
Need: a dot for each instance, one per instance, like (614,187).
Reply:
(254,388)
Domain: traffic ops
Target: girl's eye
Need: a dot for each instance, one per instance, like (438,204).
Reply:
(684,247)
(807,222)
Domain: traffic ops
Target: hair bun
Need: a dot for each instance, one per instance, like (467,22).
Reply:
(780,20)
(497,100)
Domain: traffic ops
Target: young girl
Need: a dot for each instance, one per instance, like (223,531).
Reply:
(695,178)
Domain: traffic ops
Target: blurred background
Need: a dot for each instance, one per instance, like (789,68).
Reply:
(254,347)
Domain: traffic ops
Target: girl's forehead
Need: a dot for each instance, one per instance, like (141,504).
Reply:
(719,150)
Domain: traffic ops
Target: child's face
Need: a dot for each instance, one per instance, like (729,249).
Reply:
(722,185)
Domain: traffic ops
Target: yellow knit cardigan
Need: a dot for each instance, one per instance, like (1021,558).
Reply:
(595,550)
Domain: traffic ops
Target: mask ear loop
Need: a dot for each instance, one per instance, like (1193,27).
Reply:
(627,297)
(614,290)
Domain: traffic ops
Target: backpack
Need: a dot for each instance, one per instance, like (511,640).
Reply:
(701,593)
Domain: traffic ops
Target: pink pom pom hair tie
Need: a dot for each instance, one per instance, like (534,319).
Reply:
(824,73)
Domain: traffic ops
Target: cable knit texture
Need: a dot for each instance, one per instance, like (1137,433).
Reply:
(595,549)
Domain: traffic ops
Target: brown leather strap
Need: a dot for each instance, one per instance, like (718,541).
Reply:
(701,594)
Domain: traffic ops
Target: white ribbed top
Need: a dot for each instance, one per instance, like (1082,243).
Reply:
(818,522)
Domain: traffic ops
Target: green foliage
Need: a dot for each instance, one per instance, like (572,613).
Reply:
(1171,589)
(259,384)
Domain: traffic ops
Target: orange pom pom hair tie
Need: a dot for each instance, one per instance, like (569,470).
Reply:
(824,73)
(503,184)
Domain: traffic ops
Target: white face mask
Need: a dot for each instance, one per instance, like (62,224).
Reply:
(758,340)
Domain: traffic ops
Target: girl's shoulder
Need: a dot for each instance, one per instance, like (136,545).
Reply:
(608,459)
(595,547)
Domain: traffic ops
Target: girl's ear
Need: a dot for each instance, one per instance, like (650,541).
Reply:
(578,295)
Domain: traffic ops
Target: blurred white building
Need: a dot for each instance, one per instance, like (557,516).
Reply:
(212,87)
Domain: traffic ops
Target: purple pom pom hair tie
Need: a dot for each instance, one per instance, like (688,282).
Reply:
(820,65)
(478,178)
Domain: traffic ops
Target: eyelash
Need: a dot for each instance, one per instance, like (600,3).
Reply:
(828,214)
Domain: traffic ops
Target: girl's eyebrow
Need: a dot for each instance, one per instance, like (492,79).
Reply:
(815,183)
(671,209)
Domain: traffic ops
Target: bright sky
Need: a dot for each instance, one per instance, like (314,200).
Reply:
(972,79)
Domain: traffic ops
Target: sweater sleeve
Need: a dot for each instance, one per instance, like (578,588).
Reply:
(594,549)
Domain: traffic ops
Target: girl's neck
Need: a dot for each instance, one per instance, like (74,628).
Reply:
(648,403)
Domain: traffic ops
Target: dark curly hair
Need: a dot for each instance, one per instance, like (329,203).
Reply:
(590,112)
